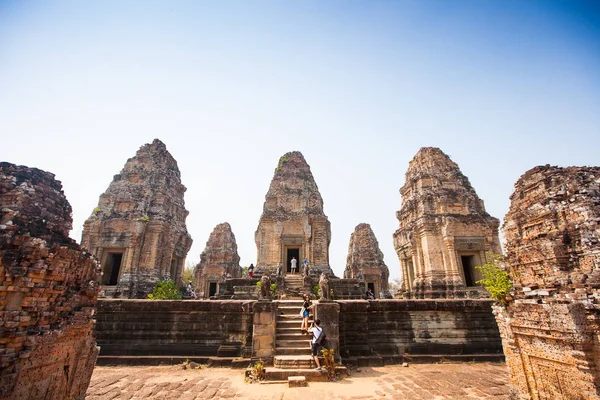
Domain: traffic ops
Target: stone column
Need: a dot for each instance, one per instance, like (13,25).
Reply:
(263,330)
(329,314)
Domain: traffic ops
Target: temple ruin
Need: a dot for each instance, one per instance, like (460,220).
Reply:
(138,230)
(293,224)
(48,291)
(219,261)
(550,326)
(444,230)
(365,261)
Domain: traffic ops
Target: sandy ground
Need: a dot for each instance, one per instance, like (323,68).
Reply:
(418,381)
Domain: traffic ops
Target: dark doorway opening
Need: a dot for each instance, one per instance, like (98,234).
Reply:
(468,269)
(212,289)
(371,285)
(292,253)
(111,268)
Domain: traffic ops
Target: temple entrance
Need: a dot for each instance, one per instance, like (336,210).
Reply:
(111,268)
(469,272)
(293,252)
(212,289)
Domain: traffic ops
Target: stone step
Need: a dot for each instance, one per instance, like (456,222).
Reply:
(293,361)
(309,374)
(292,336)
(286,343)
(292,351)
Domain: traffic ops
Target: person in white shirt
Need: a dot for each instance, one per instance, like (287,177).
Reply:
(294,262)
(316,331)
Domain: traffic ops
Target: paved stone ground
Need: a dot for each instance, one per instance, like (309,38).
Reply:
(418,381)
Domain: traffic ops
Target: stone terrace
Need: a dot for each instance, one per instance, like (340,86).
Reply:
(432,381)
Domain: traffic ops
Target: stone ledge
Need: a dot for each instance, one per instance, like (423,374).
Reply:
(297,381)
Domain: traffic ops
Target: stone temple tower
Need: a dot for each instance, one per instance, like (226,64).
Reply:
(219,260)
(293,223)
(444,230)
(138,230)
(365,261)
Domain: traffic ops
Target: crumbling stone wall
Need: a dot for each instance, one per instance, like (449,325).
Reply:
(48,291)
(138,230)
(444,230)
(365,261)
(551,325)
(219,261)
(293,220)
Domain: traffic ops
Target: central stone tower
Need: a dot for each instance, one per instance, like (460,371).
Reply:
(293,223)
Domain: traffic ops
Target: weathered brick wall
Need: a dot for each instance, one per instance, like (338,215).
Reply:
(172,327)
(436,327)
(551,325)
(48,291)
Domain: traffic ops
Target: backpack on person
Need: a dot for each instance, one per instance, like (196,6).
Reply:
(321,339)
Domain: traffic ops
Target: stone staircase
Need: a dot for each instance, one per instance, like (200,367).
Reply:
(292,348)
(294,287)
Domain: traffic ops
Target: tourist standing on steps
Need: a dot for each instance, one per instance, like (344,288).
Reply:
(251,271)
(316,330)
(304,266)
(305,307)
(293,263)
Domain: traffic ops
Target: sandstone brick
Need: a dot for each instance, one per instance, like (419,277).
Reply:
(57,363)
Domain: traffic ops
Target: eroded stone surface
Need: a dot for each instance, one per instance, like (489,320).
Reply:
(48,291)
(551,326)
(138,230)
(293,223)
(218,261)
(365,261)
(444,230)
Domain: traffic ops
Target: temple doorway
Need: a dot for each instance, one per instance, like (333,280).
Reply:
(212,289)
(470,274)
(293,252)
(111,268)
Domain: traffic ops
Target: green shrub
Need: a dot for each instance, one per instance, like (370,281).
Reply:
(315,290)
(96,210)
(165,290)
(495,279)
(273,287)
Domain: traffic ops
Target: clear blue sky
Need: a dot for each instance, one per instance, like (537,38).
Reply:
(357,86)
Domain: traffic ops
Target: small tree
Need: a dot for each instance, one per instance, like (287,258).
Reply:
(495,279)
(165,290)
(188,274)
(245,271)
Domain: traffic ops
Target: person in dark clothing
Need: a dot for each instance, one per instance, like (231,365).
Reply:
(369,295)
(305,307)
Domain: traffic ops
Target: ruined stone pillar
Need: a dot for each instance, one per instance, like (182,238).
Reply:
(550,326)
(329,314)
(48,291)
(263,330)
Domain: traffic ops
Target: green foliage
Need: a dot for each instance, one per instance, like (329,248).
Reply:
(96,210)
(329,364)
(188,275)
(165,290)
(245,272)
(145,218)
(282,160)
(272,288)
(495,279)
(315,291)
(256,372)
